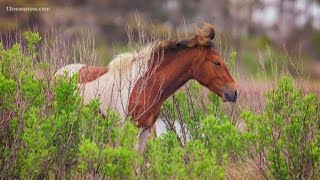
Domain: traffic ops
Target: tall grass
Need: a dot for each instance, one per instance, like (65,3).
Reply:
(46,131)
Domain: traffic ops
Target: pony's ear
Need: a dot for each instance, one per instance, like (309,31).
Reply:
(206,31)
(205,35)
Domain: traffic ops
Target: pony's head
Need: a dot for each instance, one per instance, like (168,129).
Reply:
(209,69)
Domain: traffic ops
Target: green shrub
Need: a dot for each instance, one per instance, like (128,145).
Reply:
(46,132)
(167,159)
(108,149)
(37,145)
(286,136)
(7,86)
(206,142)
(165,156)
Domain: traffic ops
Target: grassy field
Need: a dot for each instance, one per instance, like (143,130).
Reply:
(272,132)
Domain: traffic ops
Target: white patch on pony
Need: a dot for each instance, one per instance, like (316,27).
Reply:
(69,70)
(161,129)
(114,88)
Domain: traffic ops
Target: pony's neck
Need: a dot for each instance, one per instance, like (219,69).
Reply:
(175,69)
(178,69)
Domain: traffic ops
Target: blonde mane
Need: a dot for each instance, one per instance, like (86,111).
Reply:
(126,60)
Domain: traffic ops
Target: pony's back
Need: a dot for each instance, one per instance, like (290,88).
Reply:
(69,70)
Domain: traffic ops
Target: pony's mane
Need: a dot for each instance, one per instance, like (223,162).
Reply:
(203,38)
(124,61)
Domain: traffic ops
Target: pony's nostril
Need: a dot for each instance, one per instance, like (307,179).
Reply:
(231,97)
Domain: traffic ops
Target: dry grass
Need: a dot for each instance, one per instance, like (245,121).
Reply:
(251,96)
(242,171)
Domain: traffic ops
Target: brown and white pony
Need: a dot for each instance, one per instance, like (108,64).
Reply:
(136,84)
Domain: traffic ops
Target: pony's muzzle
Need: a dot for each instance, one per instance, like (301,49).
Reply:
(231,96)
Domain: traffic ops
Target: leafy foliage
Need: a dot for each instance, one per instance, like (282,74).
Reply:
(286,136)
(47,132)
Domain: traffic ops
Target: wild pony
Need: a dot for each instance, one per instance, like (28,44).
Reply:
(136,84)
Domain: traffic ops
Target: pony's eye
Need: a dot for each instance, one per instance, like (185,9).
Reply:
(216,63)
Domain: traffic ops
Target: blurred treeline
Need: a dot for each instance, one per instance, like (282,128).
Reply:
(289,29)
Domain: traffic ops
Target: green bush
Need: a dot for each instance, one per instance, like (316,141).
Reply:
(286,136)
(169,160)
(207,139)
(46,132)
